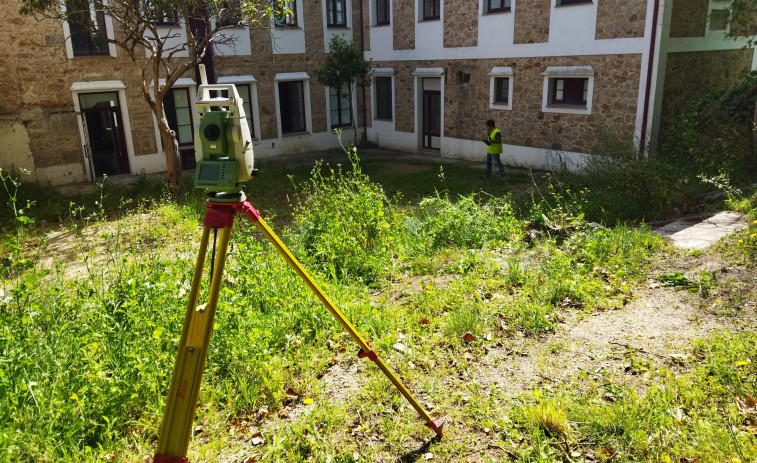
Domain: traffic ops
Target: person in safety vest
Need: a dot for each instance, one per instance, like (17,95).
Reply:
(493,150)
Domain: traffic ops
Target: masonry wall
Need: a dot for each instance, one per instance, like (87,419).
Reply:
(403,23)
(39,98)
(688,18)
(466,105)
(460,24)
(618,19)
(532,21)
(690,76)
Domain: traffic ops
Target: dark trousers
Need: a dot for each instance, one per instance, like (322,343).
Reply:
(489,157)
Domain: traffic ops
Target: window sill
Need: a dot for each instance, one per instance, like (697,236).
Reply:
(383,119)
(574,4)
(294,134)
(287,28)
(566,109)
(382,25)
(497,12)
(336,26)
(501,106)
(427,20)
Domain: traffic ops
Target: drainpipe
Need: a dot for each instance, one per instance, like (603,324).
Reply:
(648,86)
(362,48)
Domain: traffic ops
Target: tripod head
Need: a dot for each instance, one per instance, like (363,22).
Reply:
(223,145)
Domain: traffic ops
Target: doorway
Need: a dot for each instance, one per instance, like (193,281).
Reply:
(104,131)
(432,113)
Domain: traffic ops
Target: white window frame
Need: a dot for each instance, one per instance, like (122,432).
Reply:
(191,86)
(112,49)
(353,113)
(254,108)
(494,74)
(718,5)
(78,88)
(485,8)
(374,13)
(288,77)
(383,72)
(568,72)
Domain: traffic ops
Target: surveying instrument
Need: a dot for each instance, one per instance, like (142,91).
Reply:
(223,148)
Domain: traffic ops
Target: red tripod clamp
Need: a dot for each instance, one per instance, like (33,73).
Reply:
(370,354)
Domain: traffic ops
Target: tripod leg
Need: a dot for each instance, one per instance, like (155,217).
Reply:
(176,428)
(365,347)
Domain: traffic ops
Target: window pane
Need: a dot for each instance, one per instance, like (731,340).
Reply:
(383,97)
(184,134)
(382,12)
(292,107)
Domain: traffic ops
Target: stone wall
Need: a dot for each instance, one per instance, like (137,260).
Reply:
(532,21)
(39,77)
(460,24)
(689,18)
(466,105)
(621,19)
(403,24)
(690,76)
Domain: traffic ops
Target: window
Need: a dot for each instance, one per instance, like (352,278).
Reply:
(230,13)
(335,13)
(285,14)
(244,93)
(339,106)
(86,25)
(572,2)
(179,115)
(569,91)
(498,6)
(292,106)
(501,90)
(383,86)
(382,12)
(431,9)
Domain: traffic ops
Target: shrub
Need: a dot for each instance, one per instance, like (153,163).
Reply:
(345,224)
(470,222)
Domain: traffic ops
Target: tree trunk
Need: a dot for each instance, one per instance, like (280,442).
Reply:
(170,149)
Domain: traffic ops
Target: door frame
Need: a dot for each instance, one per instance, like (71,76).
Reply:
(426,135)
(102,87)
(419,74)
(118,136)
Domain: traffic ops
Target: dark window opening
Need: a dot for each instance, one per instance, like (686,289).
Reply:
(246,95)
(339,107)
(285,14)
(230,13)
(87,27)
(569,91)
(178,112)
(498,6)
(431,9)
(335,13)
(572,2)
(383,86)
(382,12)
(463,77)
(292,106)
(502,90)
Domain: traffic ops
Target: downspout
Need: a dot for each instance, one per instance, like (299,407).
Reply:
(648,86)
(362,47)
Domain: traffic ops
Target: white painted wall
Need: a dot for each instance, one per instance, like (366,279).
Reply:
(289,40)
(235,42)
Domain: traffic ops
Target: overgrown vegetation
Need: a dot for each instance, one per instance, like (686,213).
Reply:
(709,146)
(86,347)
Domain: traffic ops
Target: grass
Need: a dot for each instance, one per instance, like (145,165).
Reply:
(444,269)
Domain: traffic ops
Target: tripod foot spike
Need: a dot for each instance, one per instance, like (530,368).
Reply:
(437,425)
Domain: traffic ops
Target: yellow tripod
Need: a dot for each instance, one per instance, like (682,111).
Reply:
(176,427)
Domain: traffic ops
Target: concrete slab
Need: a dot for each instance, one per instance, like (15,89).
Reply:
(700,232)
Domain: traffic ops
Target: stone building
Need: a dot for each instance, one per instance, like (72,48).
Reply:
(553,74)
